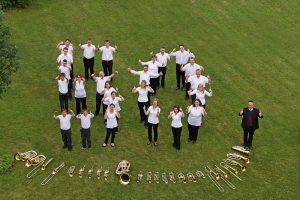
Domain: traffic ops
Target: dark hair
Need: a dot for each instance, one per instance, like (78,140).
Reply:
(106,40)
(250,101)
(64,60)
(112,105)
(176,106)
(89,39)
(63,74)
(68,40)
(154,56)
(181,45)
(113,92)
(108,83)
(200,104)
(145,65)
(78,75)
(65,48)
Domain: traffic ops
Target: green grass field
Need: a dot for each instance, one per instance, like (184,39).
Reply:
(249,48)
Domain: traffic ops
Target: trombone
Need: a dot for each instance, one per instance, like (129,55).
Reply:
(233,162)
(210,171)
(215,182)
(53,173)
(45,164)
(41,166)
(235,156)
(230,169)
(221,172)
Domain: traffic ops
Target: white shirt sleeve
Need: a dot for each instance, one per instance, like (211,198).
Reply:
(209,94)
(173,53)
(135,72)
(158,64)
(101,48)
(193,92)
(78,116)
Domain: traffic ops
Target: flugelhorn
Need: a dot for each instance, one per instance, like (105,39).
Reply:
(99,173)
(80,173)
(181,177)
(164,177)
(231,170)
(53,173)
(44,165)
(139,177)
(71,171)
(241,149)
(235,156)
(233,162)
(35,160)
(26,155)
(156,177)
(106,172)
(90,173)
(212,172)
(172,177)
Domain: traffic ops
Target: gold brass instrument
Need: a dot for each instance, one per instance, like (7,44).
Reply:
(231,170)
(241,150)
(181,177)
(26,155)
(191,177)
(215,182)
(35,160)
(71,171)
(123,171)
(221,172)
(106,172)
(200,174)
(149,177)
(41,166)
(235,156)
(139,177)
(53,173)
(99,173)
(80,173)
(210,171)
(44,165)
(90,173)
(156,177)
(228,183)
(164,177)
(233,162)
(172,177)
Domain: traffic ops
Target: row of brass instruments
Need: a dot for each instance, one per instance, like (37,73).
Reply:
(90,172)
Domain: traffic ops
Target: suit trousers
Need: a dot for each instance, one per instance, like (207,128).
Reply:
(85,137)
(66,138)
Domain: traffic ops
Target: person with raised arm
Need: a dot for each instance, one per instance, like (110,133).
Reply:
(62,84)
(111,116)
(88,58)
(163,58)
(85,130)
(107,57)
(200,94)
(197,79)
(66,69)
(153,121)
(176,115)
(80,94)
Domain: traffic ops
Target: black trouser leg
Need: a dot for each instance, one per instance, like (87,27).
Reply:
(183,78)
(83,100)
(178,74)
(64,137)
(187,88)
(98,103)
(72,72)
(141,109)
(91,66)
(104,108)
(246,138)
(78,100)
(108,132)
(196,130)
(63,100)
(88,138)
(83,137)
(86,68)
(155,126)
(109,67)
(113,134)
(70,87)
(190,128)
(69,139)
(193,97)
(176,135)
(153,84)
(204,106)
(150,132)
(105,67)
(164,71)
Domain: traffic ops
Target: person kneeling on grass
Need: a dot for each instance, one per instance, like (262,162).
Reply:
(111,116)
(85,130)
(65,128)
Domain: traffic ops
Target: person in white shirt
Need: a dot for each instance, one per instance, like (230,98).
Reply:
(182,56)
(152,68)
(80,93)
(65,127)
(190,70)
(176,115)
(197,79)
(162,57)
(107,57)
(68,44)
(63,91)
(65,56)
(85,130)
(201,93)
(100,81)
(143,99)
(66,69)
(196,113)
(153,121)
(88,58)
(108,89)
(111,116)
(144,75)
(114,99)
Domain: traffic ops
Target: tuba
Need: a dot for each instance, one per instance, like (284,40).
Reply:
(26,155)
(123,171)
(241,149)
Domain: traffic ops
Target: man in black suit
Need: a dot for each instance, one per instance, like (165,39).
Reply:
(250,123)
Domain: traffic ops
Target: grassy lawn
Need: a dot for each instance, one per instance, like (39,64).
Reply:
(249,48)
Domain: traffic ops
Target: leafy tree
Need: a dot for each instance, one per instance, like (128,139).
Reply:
(14,3)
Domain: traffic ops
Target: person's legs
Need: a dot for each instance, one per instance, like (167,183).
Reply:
(183,79)
(113,134)
(187,88)
(178,73)
(69,139)
(83,101)
(105,68)
(196,133)
(250,139)
(108,132)
(64,138)
(88,138)
(61,101)
(190,132)
(66,99)
(155,126)
(86,68)
(83,138)
(150,132)
(77,105)
(109,67)
(246,138)
(178,134)
(98,103)
(104,108)
(70,86)
(153,84)
(174,136)
(91,66)
(164,71)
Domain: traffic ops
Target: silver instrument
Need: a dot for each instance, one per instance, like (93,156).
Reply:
(156,177)
(164,177)
(149,177)
(53,173)
(71,171)
(172,177)
(235,156)
(139,177)
(212,172)
(200,174)
(191,177)
(215,182)
(233,162)
(228,183)
(221,172)
(80,172)
(106,172)
(41,166)
(99,173)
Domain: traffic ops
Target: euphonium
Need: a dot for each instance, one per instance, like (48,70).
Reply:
(235,156)
(172,177)
(35,160)
(164,177)
(182,177)
(26,155)
(123,171)
(90,173)
(241,149)
(71,171)
(81,172)
(233,162)
(139,177)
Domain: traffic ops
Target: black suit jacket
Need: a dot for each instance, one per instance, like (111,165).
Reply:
(254,114)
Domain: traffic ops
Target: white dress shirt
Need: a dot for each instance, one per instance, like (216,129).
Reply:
(145,75)
(143,94)
(107,52)
(195,115)
(85,120)
(63,86)
(67,57)
(162,58)
(152,117)
(70,49)
(66,70)
(65,122)
(107,94)
(195,81)
(114,101)
(176,120)
(80,89)
(88,51)
(152,67)
(190,70)
(111,121)
(201,95)
(101,83)
(182,57)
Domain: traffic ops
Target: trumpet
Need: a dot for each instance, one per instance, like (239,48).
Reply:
(231,170)
(164,177)
(235,156)
(149,177)
(90,173)
(35,160)
(210,171)
(53,173)
(71,171)
(215,182)
(233,162)
(182,177)
(156,177)
(25,156)
(172,177)
(139,177)
(241,149)
(45,164)
(106,172)
(191,177)
(80,173)
(221,172)
(200,174)
(41,166)
(99,173)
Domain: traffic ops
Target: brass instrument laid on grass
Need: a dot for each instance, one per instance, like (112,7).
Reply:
(71,171)
(212,172)
(164,177)
(221,172)
(172,177)
(241,150)
(99,173)
(26,155)
(139,177)
(123,171)
(149,177)
(53,173)
(231,170)
(235,156)
(156,177)
(90,173)
(215,182)
(233,162)
(200,174)
(41,166)
(35,160)
(181,177)
(44,165)
(80,173)
(106,172)
(191,177)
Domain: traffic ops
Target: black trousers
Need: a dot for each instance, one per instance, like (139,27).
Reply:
(104,108)
(179,75)
(66,138)
(248,137)
(112,132)
(141,109)
(176,137)
(85,137)
(99,98)
(70,87)
(161,79)
(155,126)
(193,132)
(88,65)
(153,84)
(83,103)
(187,88)
(193,97)
(63,101)
(107,67)
(72,72)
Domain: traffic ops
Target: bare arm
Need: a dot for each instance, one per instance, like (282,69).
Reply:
(72,113)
